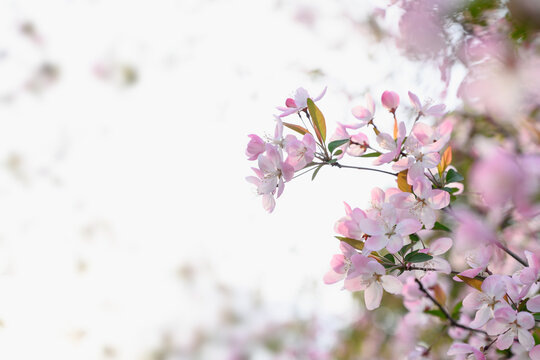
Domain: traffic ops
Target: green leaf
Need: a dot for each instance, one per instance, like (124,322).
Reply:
(373,154)
(390,258)
(338,152)
(453,176)
(537,316)
(450,190)
(414,238)
(316,172)
(318,120)
(406,248)
(335,144)
(436,312)
(457,308)
(439,226)
(357,244)
(417,257)
(296,128)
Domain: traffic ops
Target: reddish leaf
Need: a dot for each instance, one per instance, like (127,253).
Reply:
(296,128)
(318,120)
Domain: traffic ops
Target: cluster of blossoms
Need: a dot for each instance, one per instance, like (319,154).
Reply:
(410,241)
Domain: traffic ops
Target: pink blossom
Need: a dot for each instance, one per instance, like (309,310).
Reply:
(419,353)
(414,299)
(528,276)
(271,175)
(371,277)
(364,114)
(419,157)
(534,304)
(422,33)
(341,265)
(390,100)
(431,139)
(438,247)
(535,353)
(255,147)
(426,109)
(497,177)
(485,302)
(509,324)
(388,230)
(464,351)
(349,226)
(387,142)
(299,102)
(301,152)
(478,259)
(427,200)
(472,230)
(268,201)
(357,144)
(275,171)
(392,197)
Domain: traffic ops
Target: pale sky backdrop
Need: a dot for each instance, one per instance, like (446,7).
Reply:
(110,192)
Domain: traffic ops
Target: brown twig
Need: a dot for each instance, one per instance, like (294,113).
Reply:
(445,312)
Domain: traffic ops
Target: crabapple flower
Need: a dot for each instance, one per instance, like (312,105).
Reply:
(392,197)
(433,139)
(534,304)
(426,109)
(387,142)
(478,259)
(275,171)
(349,226)
(255,147)
(341,265)
(388,230)
(498,177)
(299,102)
(419,156)
(535,353)
(465,351)
(413,298)
(278,139)
(427,200)
(419,353)
(390,100)
(357,144)
(371,277)
(487,301)
(268,201)
(528,276)
(364,114)
(271,175)
(438,247)
(301,152)
(509,324)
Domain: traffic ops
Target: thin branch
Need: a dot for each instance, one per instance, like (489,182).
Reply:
(362,168)
(512,254)
(453,322)
(305,172)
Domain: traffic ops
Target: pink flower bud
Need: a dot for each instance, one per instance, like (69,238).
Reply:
(290,103)
(390,100)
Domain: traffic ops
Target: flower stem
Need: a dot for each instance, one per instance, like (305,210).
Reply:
(512,254)
(445,312)
(362,168)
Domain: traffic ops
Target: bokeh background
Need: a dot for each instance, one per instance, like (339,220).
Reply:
(127,229)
